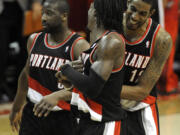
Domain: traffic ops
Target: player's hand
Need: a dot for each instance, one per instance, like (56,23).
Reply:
(78,65)
(44,107)
(61,77)
(15,119)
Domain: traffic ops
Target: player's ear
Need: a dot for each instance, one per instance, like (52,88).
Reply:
(152,12)
(64,16)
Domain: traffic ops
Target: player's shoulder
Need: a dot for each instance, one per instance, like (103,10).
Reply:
(80,44)
(163,35)
(32,36)
(81,41)
(113,45)
(31,39)
(163,43)
(114,40)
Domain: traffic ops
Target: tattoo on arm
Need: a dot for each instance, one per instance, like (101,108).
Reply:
(161,52)
(153,71)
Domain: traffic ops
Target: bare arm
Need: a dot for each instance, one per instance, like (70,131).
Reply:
(22,80)
(153,71)
(21,91)
(44,107)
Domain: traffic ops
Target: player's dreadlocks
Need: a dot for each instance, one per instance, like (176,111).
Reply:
(109,13)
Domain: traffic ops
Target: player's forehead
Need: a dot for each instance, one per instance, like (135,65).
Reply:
(140,5)
(50,6)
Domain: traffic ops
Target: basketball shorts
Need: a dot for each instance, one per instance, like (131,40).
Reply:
(144,121)
(89,127)
(56,123)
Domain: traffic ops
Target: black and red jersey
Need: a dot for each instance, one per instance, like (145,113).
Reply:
(138,55)
(106,107)
(45,60)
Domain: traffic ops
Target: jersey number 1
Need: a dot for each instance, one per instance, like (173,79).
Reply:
(134,73)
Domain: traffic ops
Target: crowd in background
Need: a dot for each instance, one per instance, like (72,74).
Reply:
(20,18)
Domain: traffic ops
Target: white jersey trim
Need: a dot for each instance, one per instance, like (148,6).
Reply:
(148,121)
(109,128)
(83,106)
(36,97)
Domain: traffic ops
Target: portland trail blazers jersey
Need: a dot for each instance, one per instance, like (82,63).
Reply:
(138,55)
(106,107)
(45,60)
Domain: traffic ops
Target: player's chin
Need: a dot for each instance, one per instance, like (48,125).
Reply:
(46,29)
(132,27)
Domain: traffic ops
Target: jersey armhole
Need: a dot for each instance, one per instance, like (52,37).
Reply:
(153,40)
(122,38)
(34,41)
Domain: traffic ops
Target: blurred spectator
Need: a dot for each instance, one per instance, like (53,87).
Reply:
(168,83)
(11,27)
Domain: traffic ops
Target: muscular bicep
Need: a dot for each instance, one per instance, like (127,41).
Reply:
(154,69)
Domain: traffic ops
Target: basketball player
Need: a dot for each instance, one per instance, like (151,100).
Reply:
(96,91)
(47,52)
(147,48)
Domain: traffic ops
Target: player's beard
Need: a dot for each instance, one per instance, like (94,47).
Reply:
(53,29)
